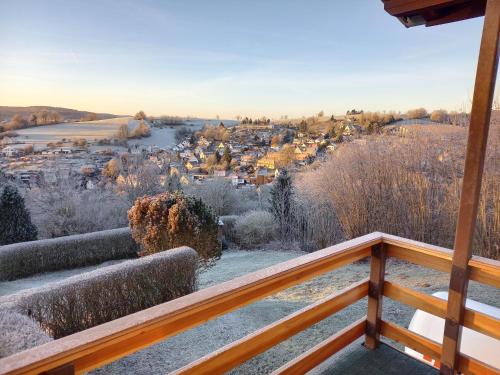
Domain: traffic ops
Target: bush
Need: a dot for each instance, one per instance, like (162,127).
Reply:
(28,258)
(254,228)
(417,113)
(19,333)
(408,186)
(168,220)
(140,115)
(142,130)
(439,115)
(93,298)
(228,223)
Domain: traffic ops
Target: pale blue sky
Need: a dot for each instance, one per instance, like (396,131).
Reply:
(230,57)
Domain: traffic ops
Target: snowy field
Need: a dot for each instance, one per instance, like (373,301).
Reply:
(165,137)
(188,346)
(90,130)
(95,130)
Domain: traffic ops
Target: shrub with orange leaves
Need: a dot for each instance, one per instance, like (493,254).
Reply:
(170,220)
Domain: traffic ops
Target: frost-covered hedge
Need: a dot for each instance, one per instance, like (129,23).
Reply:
(254,228)
(18,333)
(228,222)
(29,258)
(97,297)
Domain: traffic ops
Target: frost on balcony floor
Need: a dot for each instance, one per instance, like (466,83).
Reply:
(357,359)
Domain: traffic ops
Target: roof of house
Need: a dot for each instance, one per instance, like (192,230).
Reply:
(434,12)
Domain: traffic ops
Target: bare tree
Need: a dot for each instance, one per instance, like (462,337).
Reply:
(55,117)
(140,115)
(137,178)
(64,208)
(122,133)
(440,115)
(218,193)
(43,116)
(33,120)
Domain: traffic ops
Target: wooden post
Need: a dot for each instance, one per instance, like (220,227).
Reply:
(375,295)
(68,369)
(471,186)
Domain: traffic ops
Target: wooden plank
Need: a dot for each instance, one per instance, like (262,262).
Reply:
(411,339)
(403,7)
(257,342)
(483,270)
(323,350)
(459,12)
(67,369)
(471,185)
(423,345)
(103,344)
(472,319)
(434,12)
(375,295)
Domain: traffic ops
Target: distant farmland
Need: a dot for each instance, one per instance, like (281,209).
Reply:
(91,130)
(39,136)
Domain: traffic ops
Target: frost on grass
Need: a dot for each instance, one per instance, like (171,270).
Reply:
(18,333)
(97,297)
(29,258)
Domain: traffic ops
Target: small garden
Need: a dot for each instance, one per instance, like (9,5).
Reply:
(155,266)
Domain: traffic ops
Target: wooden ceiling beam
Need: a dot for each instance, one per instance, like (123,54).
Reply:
(434,12)
(405,7)
(457,13)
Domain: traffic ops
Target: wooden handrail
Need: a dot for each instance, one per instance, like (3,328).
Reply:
(432,349)
(325,349)
(436,306)
(99,345)
(257,342)
(483,270)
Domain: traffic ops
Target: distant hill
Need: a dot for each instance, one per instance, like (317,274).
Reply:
(6,113)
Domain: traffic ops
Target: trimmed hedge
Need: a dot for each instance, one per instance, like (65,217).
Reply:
(99,296)
(18,333)
(29,258)
(229,221)
(254,228)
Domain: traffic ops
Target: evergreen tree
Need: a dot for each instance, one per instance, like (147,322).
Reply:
(15,220)
(217,156)
(282,204)
(226,157)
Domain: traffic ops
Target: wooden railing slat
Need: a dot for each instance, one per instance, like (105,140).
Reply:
(103,344)
(259,341)
(325,349)
(423,345)
(480,270)
(436,306)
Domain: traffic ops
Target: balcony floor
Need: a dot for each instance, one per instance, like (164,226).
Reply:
(357,359)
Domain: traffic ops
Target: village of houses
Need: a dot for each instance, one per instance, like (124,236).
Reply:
(248,155)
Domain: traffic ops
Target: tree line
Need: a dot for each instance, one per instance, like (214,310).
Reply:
(35,119)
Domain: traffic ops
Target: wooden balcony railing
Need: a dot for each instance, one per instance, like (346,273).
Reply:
(103,344)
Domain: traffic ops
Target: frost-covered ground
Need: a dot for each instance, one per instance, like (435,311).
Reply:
(90,130)
(9,287)
(193,344)
(164,137)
